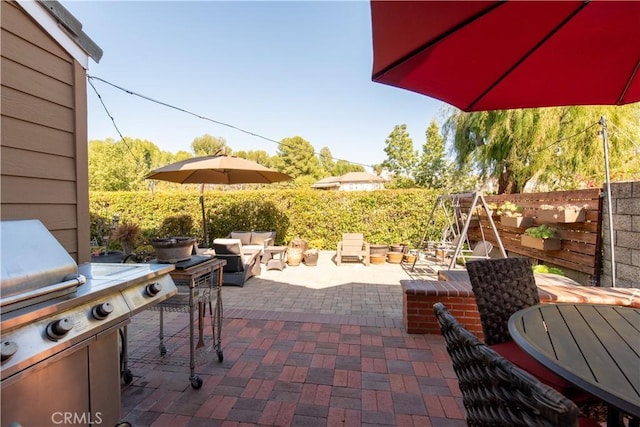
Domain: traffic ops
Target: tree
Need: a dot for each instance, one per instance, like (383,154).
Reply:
(122,165)
(555,145)
(258,156)
(207,145)
(433,169)
(326,161)
(578,159)
(401,157)
(296,157)
(342,166)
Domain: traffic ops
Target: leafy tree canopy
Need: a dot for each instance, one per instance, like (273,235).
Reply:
(401,157)
(207,145)
(122,165)
(296,157)
(560,147)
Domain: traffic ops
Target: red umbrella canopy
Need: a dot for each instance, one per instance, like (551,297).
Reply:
(492,55)
(217,170)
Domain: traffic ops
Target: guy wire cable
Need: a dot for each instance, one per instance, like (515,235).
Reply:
(130,92)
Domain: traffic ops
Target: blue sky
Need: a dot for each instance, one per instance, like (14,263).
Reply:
(276,69)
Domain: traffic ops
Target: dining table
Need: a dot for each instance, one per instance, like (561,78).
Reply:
(595,347)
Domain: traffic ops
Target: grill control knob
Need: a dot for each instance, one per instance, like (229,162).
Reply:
(153,289)
(8,349)
(59,328)
(102,311)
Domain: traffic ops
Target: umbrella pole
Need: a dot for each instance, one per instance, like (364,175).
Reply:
(605,140)
(204,220)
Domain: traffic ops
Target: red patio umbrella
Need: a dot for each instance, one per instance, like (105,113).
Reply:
(493,55)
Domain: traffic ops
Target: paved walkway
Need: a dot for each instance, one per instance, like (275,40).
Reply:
(352,293)
(308,346)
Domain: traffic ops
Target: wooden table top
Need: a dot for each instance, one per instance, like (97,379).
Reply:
(596,347)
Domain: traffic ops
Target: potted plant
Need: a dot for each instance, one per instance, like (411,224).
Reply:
(126,233)
(511,216)
(561,214)
(310,257)
(541,238)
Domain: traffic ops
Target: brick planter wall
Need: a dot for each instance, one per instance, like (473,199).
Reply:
(420,295)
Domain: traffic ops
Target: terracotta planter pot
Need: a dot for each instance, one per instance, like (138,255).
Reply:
(410,259)
(395,248)
(394,257)
(378,250)
(378,259)
(311,259)
(294,256)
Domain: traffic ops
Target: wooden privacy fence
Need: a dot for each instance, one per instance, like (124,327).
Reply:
(581,242)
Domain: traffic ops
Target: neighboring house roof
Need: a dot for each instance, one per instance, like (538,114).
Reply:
(360,177)
(348,178)
(48,13)
(332,181)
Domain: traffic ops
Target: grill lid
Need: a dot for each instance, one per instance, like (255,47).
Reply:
(34,265)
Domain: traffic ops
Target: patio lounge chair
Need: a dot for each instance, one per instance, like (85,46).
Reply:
(353,245)
(241,264)
(497,393)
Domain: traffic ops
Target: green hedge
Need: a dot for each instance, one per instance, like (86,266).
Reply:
(320,217)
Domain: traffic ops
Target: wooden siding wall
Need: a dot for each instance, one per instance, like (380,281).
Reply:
(581,241)
(44,161)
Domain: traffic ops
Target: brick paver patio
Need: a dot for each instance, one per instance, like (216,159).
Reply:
(299,349)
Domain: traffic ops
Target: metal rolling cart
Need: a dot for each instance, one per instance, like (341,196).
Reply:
(199,282)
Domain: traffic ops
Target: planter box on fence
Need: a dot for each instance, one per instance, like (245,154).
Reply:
(550,244)
(561,216)
(516,221)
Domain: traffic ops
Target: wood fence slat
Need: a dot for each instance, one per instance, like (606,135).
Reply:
(580,241)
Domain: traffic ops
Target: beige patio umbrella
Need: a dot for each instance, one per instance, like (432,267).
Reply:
(221,169)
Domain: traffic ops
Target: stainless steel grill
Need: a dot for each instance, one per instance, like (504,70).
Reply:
(59,322)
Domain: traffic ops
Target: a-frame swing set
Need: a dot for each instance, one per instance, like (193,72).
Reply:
(457,223)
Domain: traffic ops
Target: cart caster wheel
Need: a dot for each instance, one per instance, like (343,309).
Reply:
(196,382)
(220,356)
(163,350)
(127,376)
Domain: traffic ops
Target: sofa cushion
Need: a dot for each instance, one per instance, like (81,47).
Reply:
(244,236)
(252,248)
(227,246)
(258,237)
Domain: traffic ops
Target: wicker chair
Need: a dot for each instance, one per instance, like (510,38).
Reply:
(497,393)
(501,287)
(241,265)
